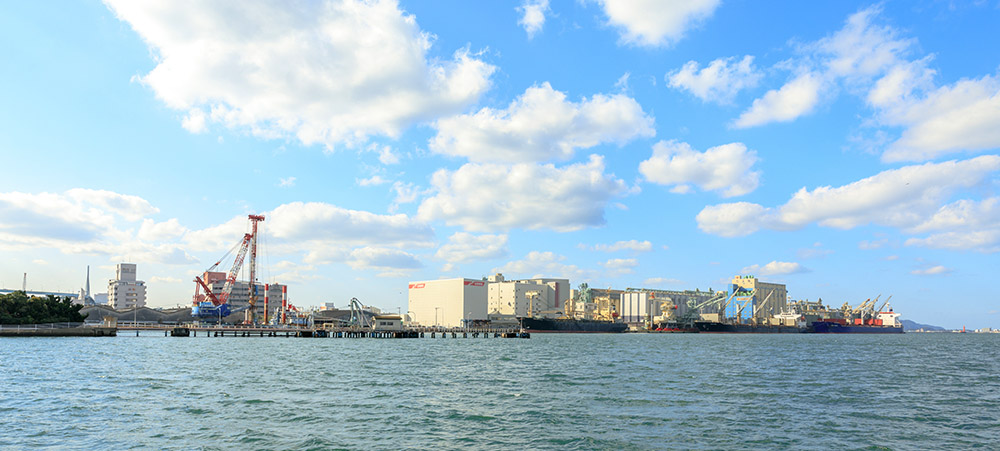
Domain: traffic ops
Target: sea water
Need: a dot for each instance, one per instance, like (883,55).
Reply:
(626,391)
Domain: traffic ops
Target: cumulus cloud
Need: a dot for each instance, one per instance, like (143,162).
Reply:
(541,125)
(382,259)
(160,231)
(619,266)
(795,98)
(964,116)
(543,264)
(905,198)
(962,225)
(733,219)
(631,245)
(726,168)
(656,23)
(533,15)
(774,268)
(719,81)
(317,71)
(84,221)
(301,221)
(465,247)
(489,197)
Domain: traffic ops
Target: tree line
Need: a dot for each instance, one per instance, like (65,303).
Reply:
(19,308)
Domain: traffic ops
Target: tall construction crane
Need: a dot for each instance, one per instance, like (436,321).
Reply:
(218,304)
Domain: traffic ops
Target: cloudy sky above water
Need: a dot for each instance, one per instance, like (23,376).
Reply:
(846,149)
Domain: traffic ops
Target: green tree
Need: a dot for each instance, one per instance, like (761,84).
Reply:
(19,308)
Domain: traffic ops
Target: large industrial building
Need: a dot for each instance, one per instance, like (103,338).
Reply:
(447,302)
(124,291)
(639,305)
(527,298)
(754,298)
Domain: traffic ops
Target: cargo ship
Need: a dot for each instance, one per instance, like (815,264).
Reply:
(882,323)
(569,325)
(711,327)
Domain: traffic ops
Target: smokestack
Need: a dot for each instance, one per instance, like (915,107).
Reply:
(24,283)
(88,282)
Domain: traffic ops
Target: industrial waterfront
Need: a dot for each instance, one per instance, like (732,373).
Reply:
(625,391)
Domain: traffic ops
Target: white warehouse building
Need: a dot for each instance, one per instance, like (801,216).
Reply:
(447,302)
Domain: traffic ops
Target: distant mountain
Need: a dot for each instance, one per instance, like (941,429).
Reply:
(910,325)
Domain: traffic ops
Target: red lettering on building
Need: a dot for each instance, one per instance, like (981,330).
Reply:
(474,283)
(416,285)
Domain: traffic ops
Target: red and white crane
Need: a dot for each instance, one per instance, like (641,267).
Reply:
(218,300)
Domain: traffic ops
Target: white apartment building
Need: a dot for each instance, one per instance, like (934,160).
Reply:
(124,291)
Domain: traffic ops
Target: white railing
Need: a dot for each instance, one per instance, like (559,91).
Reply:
(39,326)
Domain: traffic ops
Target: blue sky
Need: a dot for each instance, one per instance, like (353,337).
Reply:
(846,149)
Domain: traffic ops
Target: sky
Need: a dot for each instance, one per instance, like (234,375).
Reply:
(845,149)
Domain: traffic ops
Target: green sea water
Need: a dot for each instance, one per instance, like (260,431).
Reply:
(632,391)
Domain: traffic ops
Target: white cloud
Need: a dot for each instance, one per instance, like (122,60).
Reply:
(489,197)
(302,222)
(374,180)
(904,198)
(795,98)
(619,266)
(387,157)
(164,279)
(533,15)
(316,71)
(632,245)
(964,116)
(861,48)
(542,264)
(160,231)
(405,193)
(286,182)
(725,168)
(774,268)
(655,22)
(661,281)
(962,225)
(718,82)
(195,122)
(934,270)
(465,247)
(84,221)
(382,259)
(541,125)
(733,219)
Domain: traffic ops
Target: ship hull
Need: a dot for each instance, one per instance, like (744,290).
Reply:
(542,325)
(720,328)
(822,327)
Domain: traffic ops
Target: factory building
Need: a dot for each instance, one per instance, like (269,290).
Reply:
(240,295)
(762,299)
(447,302)
(124,291)
(527,298)
(639,305)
